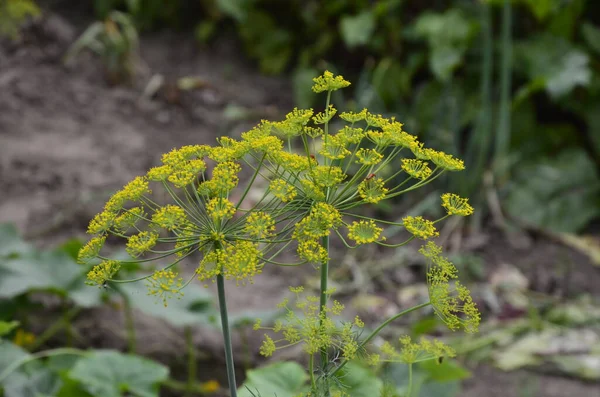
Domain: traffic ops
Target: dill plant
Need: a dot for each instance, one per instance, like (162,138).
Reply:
(313,193)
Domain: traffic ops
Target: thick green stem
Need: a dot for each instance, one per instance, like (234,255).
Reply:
(410,380)
(382,326)
(129,324)
(323,304)
(226,336)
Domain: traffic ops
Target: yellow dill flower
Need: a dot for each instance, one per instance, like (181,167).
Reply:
(299,116)
(282,190)
(322,218)
(220,208)
(141,243)
(287,129)
(313,132)
(420,151)
(129,218)
(334,147)
(324,117)
(241,261)
(159,174)
(411,352)
(420,227)
(358,322)
(376,120)
(102,272)
(353,117)
(368,157)
(266,144)
(259,131)
(372,190)
(312,251)
(351,135)
(364,232)
(165,285)
(416,168)
(327,176)
(209,387)
(23,338)
(211,265)
(292,162)
(445,161)
(260,225)
(380,138)
(170,217)
(224,176)
(91,249)
(329,82)
(186,172)
(456,205)
(136,189)
(404,139)
(102,222)
(454,306)
(311,190)
(267,348)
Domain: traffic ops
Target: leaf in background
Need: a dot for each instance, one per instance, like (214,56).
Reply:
(7,327)
(447,371)
(237,9)
(591,34)
(193,308)
(9,353)
(359,381)
(448,35)
(560,194)
(53,271)
(36,383)
(282,379)
(584,366)
(357,30)
(11,243)
(110,374)
(541,8)
(554,61)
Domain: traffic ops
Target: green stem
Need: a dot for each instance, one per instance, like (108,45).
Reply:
(323,305)
(311,369)
(191,367)
(46,353)
(410,380)
(226,336)
(382,326)
(54,328)
(503,133)
(129,323)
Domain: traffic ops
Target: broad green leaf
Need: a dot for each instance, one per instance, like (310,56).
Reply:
(359,381)
(111,374)
(562,184)
(447,371)
(195,307)
(52,271)
(282,379)
(36,383)
(10,353)
(554,61)
(7,327)
(11,243)
(357,30)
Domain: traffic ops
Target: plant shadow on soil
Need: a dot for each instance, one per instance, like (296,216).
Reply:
(68,140)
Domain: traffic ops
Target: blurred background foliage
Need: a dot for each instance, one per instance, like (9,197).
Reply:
(510,86)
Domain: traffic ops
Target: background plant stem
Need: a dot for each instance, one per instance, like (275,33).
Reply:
(323,304)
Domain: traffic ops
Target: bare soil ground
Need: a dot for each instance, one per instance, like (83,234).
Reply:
(67,139)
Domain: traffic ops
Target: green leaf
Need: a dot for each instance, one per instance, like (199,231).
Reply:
(195,307)
(7,327)
(51,271)
(282,379)
(541,8)
(9,353)
(237,9)
(110,374)
(591,34)
(359,381)
(556,193)
(37,383)
(11,243)
(449,35)
(555,62)
(447,371)
(357,30)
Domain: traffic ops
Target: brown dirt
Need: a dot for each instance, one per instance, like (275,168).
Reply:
(67,139)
